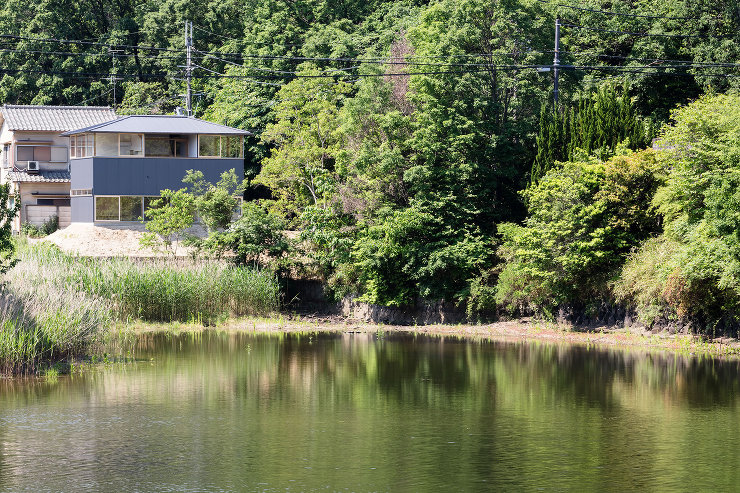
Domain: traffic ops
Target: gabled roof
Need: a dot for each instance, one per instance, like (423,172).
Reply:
(53,118)
(41,177)
(160,124)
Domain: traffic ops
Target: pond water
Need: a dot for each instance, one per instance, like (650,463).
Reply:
(223,412)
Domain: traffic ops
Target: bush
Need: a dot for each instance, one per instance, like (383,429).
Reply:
(585,217)
(48,227)
(693,271)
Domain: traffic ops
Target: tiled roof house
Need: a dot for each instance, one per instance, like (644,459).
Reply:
(35,156)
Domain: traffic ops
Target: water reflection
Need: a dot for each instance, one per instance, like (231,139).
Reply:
(219,411)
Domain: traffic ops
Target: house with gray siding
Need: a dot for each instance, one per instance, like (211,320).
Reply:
(117,167)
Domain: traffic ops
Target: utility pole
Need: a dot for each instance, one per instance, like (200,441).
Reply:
(555,62)
(188,67)
(113,78)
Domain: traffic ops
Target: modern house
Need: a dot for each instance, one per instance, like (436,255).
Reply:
(35,156)
(118,166)
(85,165)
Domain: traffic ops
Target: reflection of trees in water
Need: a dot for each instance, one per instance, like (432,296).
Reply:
(431,370)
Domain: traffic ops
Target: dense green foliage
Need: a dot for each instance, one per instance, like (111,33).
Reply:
(692,271)
(596,125)
(397,136)
(584,218)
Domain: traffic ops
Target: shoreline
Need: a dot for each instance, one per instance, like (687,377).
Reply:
(521,330)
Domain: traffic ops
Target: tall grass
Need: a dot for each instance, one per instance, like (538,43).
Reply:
(161,290)
(54,306)
(40,325)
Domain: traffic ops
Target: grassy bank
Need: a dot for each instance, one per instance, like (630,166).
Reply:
(54,306)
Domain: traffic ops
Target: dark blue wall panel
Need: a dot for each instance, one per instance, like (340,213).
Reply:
(147,176)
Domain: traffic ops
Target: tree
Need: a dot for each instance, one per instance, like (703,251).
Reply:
(256,233)
(584,219)
(300,169)
(697,277)
(167,219)
(7,214)
(599,123)
(215,204)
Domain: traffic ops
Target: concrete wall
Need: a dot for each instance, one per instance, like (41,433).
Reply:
(144,176)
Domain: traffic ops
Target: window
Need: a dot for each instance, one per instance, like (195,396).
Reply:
(220,146)
(6,151)
(231,146)
(123,208)
(81,192)
(166,146)
(82,145)
(131,208)
(209,145)
(46,153)
(106,144)
(107,209)
(149,204)
(131,144)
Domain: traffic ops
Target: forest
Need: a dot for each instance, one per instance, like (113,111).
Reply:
(418,149)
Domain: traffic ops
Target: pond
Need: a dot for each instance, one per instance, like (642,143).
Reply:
(219,411)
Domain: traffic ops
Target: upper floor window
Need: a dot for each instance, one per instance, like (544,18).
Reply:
(166,145)
(82,145)
(220,146)
(45,153)
(130,144)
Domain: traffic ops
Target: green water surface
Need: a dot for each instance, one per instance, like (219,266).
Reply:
(364,412)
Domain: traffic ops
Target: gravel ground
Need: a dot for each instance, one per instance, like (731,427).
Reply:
(105,241)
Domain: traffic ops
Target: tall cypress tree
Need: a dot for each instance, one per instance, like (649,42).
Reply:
(596,124)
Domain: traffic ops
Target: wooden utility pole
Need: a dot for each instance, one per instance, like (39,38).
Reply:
(556,62)
(188,67)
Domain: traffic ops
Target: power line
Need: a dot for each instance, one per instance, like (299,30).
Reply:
(95,97)
(637,34)
(90,54)
(646,59)
(609,12)
(89,43)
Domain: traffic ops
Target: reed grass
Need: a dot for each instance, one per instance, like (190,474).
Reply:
(40,325)
(54,306)
(157,290)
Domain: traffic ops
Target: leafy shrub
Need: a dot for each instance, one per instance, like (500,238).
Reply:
(693,271)
(585,217)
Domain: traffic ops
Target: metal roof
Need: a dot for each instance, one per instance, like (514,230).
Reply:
(54,118)
(160,124)
(41,177)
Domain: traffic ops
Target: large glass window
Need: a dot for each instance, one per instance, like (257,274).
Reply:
(209,145)
(123,208)
(131,144)
(220,146)
(149,204)
(231,146)
(166,146)
(106,144)
(107,209)
(131,208)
